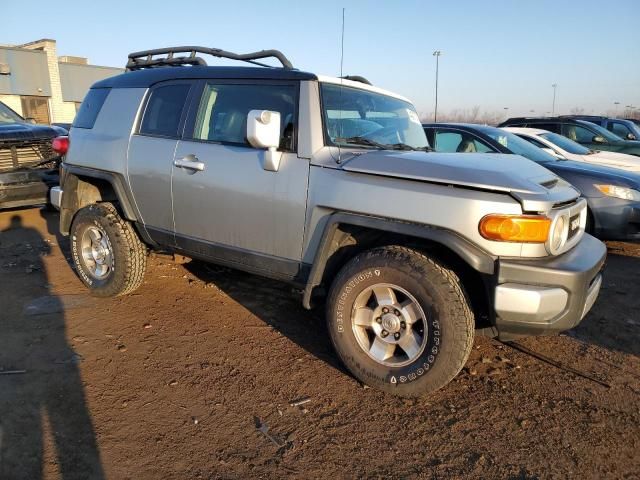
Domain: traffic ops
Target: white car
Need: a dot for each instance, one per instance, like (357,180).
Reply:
(563,147)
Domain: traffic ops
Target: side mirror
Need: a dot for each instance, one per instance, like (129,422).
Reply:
(263,131)
(598,139)
(631,136)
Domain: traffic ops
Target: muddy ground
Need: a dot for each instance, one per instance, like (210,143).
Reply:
(171,382)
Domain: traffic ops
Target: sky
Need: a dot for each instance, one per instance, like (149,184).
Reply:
(496,54)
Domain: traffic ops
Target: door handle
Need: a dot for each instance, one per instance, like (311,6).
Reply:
(189,161)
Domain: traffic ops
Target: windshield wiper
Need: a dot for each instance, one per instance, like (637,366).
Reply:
(383,146)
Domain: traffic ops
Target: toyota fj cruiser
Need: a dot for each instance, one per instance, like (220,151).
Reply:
(327,183)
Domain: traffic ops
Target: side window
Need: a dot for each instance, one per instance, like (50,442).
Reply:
(447,141)
(577,133)
(90,108)
(164,109)
(222,115)
(459,142)
(619,129)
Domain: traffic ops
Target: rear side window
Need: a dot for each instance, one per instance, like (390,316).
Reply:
(90,108)
(164,110)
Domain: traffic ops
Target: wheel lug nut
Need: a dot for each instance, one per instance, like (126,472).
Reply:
(403,324)
(379,320)
(396,313)
(396,335)
(384,333)
(385,310)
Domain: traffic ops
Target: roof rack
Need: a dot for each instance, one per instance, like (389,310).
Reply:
(357,78)
(145,59)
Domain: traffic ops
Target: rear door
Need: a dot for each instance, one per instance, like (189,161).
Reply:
(226,205)
(151,154)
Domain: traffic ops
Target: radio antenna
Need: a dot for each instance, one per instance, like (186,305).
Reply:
(339,160)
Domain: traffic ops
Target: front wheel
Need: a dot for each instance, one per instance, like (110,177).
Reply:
(400,321)
(109,257)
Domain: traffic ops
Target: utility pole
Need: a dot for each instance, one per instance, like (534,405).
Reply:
(553,108)
(436,54)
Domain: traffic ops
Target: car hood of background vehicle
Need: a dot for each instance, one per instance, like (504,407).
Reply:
(599,173)
(28,131)
(614,159)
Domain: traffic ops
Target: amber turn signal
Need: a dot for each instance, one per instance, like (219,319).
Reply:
(515,228)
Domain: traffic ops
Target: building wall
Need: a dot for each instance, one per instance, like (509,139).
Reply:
(59,112)
(29,72)
(76,79)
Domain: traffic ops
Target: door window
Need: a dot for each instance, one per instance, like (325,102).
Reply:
(459,142)
(222,114)
(577,133)
(164,110)
(619,129)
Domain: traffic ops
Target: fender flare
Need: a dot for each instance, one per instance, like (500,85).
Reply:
(69,202)
(476,257)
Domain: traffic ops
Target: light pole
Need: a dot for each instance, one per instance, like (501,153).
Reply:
(616,108)
(553,107)
(436,54)
(506,111)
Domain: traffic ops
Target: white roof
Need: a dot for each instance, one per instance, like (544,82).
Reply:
(523,130)
(361,86)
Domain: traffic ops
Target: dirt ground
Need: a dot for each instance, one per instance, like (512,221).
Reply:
(172,382)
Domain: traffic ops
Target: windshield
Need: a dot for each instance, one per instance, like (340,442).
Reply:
(356,117)
(603,132)
(517,145)
(9,116)
(566,144)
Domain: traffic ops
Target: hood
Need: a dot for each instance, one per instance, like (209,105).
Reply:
(630,163)
(595,171)
(525,180)
(27,131)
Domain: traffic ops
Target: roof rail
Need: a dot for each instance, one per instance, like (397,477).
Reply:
(357,78)
(145,58)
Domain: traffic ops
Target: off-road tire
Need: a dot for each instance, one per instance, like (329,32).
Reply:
(449,322)
(129,254)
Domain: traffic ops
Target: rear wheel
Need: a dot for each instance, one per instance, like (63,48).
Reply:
(109,257)
(400,321)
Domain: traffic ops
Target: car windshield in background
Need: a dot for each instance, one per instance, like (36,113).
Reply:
(603,132)
(566,144)
(9,116)
(517,145)
(356,117)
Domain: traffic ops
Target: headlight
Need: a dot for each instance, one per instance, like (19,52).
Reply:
(619,192)
(559,233)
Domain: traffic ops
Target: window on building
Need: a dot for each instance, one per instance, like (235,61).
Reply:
(36,108)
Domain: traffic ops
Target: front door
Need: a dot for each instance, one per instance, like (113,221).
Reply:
(226,206)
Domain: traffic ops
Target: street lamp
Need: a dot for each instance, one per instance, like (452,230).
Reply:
(436,54)
(553,108)
(616,108)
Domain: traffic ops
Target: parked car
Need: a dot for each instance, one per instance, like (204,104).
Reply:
(613,195)
(566,149)
(28,163)
(585,133)
(625,129)
(326,183)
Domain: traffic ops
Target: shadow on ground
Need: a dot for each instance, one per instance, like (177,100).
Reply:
(42,402)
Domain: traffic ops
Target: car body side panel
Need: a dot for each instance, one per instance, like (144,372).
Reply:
(457,209)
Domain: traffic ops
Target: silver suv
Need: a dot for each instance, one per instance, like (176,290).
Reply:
(327,183)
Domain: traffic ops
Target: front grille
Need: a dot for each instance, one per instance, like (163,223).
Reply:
(25,154)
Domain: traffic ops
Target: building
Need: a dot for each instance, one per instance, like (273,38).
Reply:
(38,84)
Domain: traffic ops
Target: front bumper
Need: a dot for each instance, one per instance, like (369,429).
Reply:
(55,197)
(546,296)
(26,187)
(616,219)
